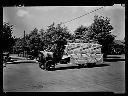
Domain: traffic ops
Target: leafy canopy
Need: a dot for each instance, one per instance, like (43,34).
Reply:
(7,37)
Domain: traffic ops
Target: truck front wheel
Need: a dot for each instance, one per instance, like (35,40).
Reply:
(41,65)
(48,64)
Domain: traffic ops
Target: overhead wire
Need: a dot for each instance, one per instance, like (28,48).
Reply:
(82,15)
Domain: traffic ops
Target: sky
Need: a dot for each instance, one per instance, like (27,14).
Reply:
(28,18)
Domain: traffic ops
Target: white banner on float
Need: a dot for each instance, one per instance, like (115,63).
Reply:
(84,52)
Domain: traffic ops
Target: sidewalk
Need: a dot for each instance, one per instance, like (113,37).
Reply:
(16,59)
(122,56)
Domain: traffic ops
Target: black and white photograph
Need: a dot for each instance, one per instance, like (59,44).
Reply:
(64,48)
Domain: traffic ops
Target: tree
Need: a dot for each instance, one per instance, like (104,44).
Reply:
(41,32)
(7,38)
(54,33)
(31,42)
(45,39)
(80,32)
(19,45)
(34,41)
(100,30)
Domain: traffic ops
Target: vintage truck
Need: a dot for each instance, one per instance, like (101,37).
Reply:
(82,54)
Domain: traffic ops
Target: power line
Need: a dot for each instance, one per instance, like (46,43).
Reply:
(83,15)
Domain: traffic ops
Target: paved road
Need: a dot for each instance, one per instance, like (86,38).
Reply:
(28,77)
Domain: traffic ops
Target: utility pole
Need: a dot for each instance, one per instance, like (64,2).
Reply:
(24,45)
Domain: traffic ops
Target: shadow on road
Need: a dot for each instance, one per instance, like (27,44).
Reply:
(78,67)
(113,60)
(98,65)
(21,62)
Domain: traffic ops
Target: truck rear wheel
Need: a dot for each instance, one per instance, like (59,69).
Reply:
(48,64)
(41,65)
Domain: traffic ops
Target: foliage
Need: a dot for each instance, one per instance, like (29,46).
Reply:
(7,37)
(54,33)
(100,30)
(32,42)
(118,47)
(18,45)
(34,39)
(80,32)
(43,39)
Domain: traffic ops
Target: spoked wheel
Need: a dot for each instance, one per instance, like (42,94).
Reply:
(48,64)
(41,65)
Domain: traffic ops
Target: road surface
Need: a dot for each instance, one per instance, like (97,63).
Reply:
(28,77)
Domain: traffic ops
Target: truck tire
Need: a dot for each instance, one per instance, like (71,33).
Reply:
(41,65)
(48,64)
